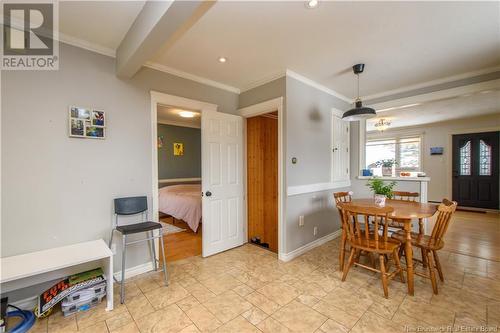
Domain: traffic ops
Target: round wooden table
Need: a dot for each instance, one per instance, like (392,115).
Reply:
(405,212)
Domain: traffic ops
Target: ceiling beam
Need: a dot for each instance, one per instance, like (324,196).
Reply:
(157,27)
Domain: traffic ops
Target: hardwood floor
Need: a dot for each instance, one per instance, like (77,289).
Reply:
(184,244)
(474,234)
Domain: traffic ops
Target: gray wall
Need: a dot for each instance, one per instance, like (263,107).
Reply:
(185,166)
(58,190)
(263,93)
(308,138)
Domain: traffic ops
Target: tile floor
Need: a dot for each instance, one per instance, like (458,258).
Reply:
(248,290)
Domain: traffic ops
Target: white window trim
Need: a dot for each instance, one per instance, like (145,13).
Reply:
(397,137)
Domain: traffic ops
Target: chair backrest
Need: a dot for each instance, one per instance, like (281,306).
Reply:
(342,197)
(131,205)
(377,216)
(406,196)
(445,211)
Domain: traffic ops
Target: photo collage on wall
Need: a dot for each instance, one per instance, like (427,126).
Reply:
(86,123)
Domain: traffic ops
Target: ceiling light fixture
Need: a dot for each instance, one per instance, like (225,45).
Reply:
(359,112)
(312,4)
(382,124)
(186,114)
(222,59)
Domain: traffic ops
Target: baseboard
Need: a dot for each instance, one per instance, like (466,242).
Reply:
(31,302)
(133,271)
(305,248)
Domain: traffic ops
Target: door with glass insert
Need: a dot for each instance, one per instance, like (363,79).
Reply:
(476,169)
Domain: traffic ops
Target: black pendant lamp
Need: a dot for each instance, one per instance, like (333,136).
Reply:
(359,112)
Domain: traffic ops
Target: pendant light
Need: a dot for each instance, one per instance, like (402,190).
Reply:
(360,112)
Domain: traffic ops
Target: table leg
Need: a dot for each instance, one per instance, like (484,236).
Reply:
(108,271)
(342,250)
(409,257)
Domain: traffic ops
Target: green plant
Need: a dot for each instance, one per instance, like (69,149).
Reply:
(386,163)
(378,186)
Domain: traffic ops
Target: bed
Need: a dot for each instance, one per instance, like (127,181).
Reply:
(183,202)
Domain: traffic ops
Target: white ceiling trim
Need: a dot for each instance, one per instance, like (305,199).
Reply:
(83,44)
(439,95)
(318,86)
(268,79)
(177,123)
(191,77)
(433,82)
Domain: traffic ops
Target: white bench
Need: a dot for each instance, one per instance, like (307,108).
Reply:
(29,269)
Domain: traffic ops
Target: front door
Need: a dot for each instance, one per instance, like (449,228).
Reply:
(476,169)
(222,181)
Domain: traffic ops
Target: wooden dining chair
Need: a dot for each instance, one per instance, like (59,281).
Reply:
(433,243)
(341,197)
(370,241)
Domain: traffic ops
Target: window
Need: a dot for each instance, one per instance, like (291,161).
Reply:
(465,159)
(404,150)
(484,159)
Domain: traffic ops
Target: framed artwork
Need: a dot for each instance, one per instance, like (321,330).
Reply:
(160,141)
(86,123)
(437,150)
(178,149)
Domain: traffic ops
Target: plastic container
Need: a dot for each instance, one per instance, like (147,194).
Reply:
(83,300)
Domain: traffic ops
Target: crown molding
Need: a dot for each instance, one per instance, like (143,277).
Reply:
(318,86)
(433,83)
(83,44)
(263,81)
(191,77)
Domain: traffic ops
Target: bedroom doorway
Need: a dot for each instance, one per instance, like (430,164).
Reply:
(179,180)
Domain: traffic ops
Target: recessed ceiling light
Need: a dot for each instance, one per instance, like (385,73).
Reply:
(312,4)
(186,114)
(222,59)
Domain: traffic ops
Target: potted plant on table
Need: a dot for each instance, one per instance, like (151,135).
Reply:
(387,166)
(381,190)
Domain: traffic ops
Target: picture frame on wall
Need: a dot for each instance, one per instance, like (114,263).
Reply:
(87,123)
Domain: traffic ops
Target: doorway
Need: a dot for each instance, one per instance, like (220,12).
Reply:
(476,169)
(262,180)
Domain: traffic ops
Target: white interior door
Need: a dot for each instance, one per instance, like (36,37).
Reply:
(222,181)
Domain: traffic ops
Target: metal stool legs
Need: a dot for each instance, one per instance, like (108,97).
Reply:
(163,257)
(153,250)
(122,282)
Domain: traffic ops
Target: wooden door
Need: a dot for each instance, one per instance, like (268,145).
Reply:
(476,169)
(262,179)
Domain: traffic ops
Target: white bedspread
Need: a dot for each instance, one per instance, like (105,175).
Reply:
(182,202)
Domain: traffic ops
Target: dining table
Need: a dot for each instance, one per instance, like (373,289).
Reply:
(405,212)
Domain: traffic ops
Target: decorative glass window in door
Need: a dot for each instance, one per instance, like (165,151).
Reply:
(465,159)
(484,159)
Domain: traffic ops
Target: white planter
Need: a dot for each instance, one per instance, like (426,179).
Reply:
(379,200)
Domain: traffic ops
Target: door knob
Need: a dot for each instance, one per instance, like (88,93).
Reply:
(208,193)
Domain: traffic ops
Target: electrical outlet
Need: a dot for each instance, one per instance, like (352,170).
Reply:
(315,231)
(301,220)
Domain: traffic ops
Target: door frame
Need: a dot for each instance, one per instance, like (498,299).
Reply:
(254,110)
(449,159)
(159,98)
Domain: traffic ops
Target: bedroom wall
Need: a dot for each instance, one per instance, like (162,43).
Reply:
(58,190)
(185,166)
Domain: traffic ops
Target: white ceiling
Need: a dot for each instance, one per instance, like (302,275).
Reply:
(402,43)
(103,23)
(482,103)
(170,115)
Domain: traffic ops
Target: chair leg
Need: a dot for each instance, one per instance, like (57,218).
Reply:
(431,272)
(111,238)
(122,282)
(164,260)
(424,258)
(438,265)
(342,250)
(153,250)
(349,264)
(383,275)
(398,266)
(401,252)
